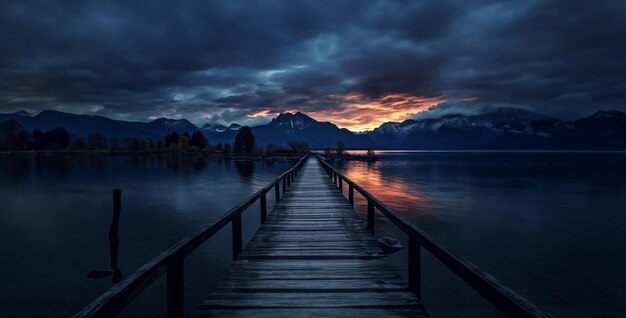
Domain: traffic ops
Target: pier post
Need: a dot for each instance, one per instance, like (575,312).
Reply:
(114,241)
(370,215)
(237,237)
(284,184)
(175,287)
(351,195)
(341,185)
(277,191)
(263,207)
(415,266)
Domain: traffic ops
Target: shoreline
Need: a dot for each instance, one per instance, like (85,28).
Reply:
(165,153)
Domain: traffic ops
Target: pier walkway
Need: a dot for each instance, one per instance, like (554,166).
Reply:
(313,257)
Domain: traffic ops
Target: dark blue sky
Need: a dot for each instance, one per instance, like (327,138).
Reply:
(356,63)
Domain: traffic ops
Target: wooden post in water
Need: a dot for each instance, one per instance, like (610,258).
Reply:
(415,267)
(277,191)
(370,215)
(263,207)
(351,194)
(176,287)
(114,241)
(237,237)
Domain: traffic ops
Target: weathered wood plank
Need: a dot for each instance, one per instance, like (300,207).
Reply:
(315,312)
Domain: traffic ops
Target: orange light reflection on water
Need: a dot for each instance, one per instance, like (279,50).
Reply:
(394,193)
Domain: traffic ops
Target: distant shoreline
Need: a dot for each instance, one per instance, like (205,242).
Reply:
(165,153)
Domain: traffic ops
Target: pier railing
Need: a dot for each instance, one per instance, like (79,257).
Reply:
(172,260)
(504,299)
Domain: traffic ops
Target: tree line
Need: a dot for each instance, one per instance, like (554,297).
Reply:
(14,137)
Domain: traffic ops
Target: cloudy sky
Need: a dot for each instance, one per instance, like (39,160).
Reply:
(355,63)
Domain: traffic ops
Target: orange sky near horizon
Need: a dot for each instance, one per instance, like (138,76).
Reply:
(360,113)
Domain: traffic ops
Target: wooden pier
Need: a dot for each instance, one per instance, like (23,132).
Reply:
(312,257)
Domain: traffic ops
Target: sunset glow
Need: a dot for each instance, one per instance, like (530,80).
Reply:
(358,112)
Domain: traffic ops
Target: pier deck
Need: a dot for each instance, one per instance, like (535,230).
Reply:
(312,257)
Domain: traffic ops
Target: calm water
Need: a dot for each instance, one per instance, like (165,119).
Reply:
(551,226)
(55,213)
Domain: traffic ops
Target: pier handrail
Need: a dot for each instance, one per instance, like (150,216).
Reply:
(171,261)
(504,299)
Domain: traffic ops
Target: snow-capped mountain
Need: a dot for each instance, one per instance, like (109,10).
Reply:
(298,127)
(504,128)
(292,123)
(502,120)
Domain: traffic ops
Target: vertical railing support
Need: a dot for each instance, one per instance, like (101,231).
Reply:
(237,236)
(340,185)
(370,215)
(175,287)
(284,184)
(277,191)
(351,194)
(263,201)
(415,266)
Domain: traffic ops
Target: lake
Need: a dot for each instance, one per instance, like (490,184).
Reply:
(550,225)
(56,211)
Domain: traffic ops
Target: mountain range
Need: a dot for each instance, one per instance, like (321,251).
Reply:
(503,128)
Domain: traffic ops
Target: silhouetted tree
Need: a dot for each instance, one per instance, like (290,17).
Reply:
(13,136)
(227,148)
(133,144)
(56,139)
(199,140)
(244,141)
(298,146)
(114,144)
(219,146)
(147,144)
(37,139)
(78,143)
(341,147)
(172,139)
(97,140)
(272,148)
(183,142)
(160,145)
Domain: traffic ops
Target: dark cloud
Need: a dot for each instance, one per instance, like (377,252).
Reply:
(225,60)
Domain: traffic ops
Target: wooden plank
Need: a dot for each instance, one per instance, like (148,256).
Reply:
(313,256)
(313,313)
(228,299)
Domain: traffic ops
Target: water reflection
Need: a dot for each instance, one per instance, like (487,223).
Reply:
(396,191)
(524,217)
(245,168)
(56,211)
